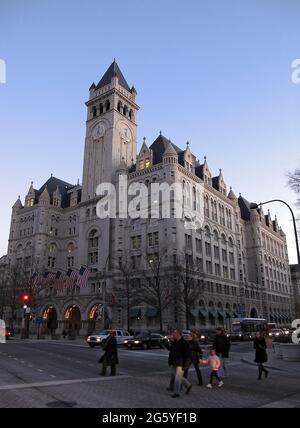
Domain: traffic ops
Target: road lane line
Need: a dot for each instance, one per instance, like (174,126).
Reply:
(62,382)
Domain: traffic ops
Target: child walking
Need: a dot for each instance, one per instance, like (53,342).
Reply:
(215,364)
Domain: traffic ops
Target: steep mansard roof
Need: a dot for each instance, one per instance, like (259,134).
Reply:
(52,184)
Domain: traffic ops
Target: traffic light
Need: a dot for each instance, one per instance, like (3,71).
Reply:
(25,298)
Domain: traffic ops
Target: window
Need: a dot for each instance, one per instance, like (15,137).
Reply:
(225,271)
(217,269)
(188,241)
(232,274)
(207,249)
(224,255)
(136,242)
(231,258)
(147,163)
(141,164)
(216,252)
(93,243)
(208,267)
(198,245)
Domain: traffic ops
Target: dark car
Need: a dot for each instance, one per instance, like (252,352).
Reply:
(145,341)
(206,335)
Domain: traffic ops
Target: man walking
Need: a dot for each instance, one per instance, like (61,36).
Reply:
(222,346)
(179,360)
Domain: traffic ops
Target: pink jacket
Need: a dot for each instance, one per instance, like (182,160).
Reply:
(214,362)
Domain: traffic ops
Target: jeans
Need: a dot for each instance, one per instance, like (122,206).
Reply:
(112,368)
(223,366)
(177,379)
(198,372)
(212,375)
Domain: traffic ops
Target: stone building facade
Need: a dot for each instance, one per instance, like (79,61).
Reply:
(240,253)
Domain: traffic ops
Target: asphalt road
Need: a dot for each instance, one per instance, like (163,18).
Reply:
(66,374)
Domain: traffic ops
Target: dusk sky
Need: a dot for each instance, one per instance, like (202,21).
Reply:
(214,73)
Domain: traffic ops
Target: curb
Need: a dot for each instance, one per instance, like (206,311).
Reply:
(251,363)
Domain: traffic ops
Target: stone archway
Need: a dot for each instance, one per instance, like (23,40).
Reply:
(49,317)
(72,320)
(95,317)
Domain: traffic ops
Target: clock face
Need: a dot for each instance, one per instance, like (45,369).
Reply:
(98,131)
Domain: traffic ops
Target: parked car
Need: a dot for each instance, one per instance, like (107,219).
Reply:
(206,335)
(98,339)
(146,340)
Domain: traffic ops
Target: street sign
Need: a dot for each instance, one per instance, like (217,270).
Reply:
(39,320)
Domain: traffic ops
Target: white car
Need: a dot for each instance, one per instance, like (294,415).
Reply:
(97,339)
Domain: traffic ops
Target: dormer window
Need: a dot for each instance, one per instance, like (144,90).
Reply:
(30,202)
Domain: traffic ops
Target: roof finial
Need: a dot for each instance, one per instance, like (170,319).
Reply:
(51,175)
(32,183)
(204,158)
(160,133)
(77,181)
(144,140)
(220,170)
(19,197)
(230,188)
(114,59)
(187,143)
(240,195)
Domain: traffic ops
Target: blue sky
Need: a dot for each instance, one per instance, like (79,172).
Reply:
(215,73)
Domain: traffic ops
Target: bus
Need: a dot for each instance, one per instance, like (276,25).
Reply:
(245,328)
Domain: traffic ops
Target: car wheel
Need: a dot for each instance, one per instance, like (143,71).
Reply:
(92,345)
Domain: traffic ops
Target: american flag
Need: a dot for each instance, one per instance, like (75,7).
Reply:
(59,280)
(34,280)
(83,276)
(50,278)
(71,277)
(44,279)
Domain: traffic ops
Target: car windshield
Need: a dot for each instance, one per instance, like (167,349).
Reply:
(103,333)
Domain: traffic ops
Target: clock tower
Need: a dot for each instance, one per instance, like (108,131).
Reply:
(110,130)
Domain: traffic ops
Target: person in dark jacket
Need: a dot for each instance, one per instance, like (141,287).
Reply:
(222,346)
(179,360)
(196,355)
(261,355)
(110,356)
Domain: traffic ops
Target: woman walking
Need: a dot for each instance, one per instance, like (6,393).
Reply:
(110,356)
(261,355)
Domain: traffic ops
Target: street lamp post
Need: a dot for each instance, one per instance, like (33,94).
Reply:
(255,206)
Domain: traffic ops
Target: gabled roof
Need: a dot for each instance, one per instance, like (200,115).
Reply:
(112,71)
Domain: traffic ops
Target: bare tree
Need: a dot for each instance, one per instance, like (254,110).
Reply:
(189,286)
(156,286)
(294,183)
(126,268)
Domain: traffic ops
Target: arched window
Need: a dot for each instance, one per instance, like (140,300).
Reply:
(223,239)
(94,111)
(207,232)
(107,105)
(125,110)
(230,242)
(131,115)
(119,106)
(194,199)
(101,108)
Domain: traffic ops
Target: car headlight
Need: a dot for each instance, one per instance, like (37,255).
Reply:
(270,334)
(98,339)
(136,341)
(240,335)
(88,339)
(202,337)
(277,334)
(125,341)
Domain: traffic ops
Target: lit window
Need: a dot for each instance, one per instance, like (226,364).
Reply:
(147,163)
(141,164)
